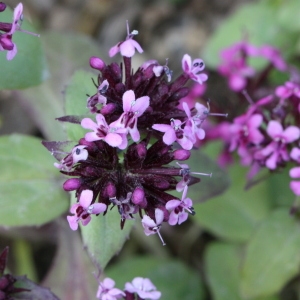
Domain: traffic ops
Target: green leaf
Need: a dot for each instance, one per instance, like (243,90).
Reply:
(255,21)
(172,278)
(222,264)
(71,275)
(29,183)
(272,256)
(28,67)
(81,84)
(65,54)
(235,214)
(103,236)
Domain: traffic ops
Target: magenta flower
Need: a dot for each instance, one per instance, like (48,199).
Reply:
(173,133)
(193,123)
(6,43)
(180,209)
(274,56)
(295,185)
(276,151)
(78,153)
(98,98)
(288,90)
(151,226)
(82,211)
(143,287)
(111,135)
(127,47)
(193,68)
(107,291)
(133,109)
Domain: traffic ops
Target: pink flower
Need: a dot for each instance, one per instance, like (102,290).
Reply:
(193,123)
(276,151)
(111,135)
(193,69)
(274,56)
(82,211)
(78,153)
(180,209)
(287,90)
(143,287)
(196,91)
(133,109)
(173,133)
(151,226)
(98,98)
(295,185)
(106,290)
(127,47)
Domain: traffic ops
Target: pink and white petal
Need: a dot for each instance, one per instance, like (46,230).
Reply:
(92,136)
(295,187)
(17,15)
(173,218)
(274,129)
(180,185)
(162,127)
(186,109)
(255,121)
(291,134)
(127,48)
(128,98)
(114,50)
(98,208)
(108,283)
(159,216)
(113,139)
(86,198)
(147,221)
(141,104)
(101,120)
(114,292)
(255,136)
(169,137)
(172,204)
(295,172)
(186,63)
(295,154)
(182,217)
(282,92)
(88,123)
(137,46)
(135,135)
(148,285)
(200,133)
(200,78)
(74,208)
(271,162)
(12,53)
(185,143)
(86,221)
(129,287)
(73,222)
(124,143)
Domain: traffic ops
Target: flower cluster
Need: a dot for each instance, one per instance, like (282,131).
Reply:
(137,128)
(143,288)
(7,31)
(267,134)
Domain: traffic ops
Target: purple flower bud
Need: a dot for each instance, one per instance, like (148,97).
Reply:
(108,109)
(2,6)
(71,184)
(97,63)
(181,154)
(110,190)
(141,150)
(138,196)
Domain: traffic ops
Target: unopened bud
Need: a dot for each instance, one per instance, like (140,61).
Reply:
(71,184)
(181,154)
(108,109)
(97,63)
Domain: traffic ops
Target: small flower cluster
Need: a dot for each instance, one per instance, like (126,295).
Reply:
(267,134)
(137,115)
(7,31)
(143,288)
